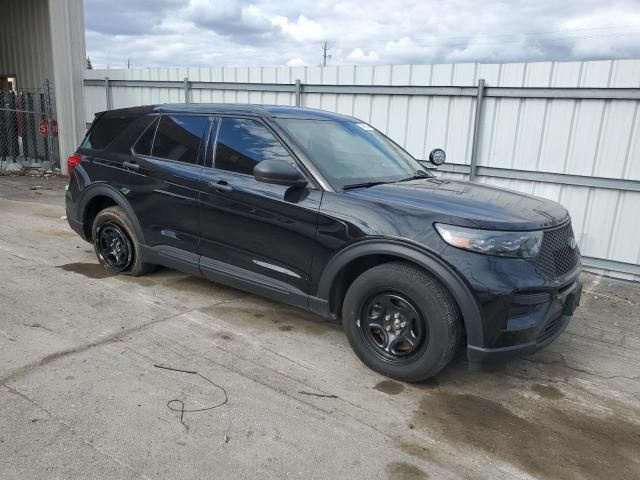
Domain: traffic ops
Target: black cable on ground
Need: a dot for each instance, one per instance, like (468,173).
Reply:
(171,403)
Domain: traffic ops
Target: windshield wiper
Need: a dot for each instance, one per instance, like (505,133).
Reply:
(419,174)
(362,185)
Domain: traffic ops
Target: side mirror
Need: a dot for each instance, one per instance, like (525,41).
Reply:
(278,172)
(437,156)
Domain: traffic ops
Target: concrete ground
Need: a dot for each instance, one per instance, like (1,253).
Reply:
(80,396)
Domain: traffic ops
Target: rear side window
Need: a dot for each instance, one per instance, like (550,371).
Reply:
(243,143)
(106,129)
(145,142)
(178,137)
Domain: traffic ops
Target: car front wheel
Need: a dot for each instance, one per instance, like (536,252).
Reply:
(401,321)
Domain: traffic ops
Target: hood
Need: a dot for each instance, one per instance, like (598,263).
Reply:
(470,204)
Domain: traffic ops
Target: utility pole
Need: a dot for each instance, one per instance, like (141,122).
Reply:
(325,57)
(128,63)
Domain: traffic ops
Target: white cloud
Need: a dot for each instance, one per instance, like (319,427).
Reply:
(301,30)
(277,32)
(357,55)
(296,62)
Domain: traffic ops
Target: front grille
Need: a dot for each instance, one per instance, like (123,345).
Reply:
(556,257)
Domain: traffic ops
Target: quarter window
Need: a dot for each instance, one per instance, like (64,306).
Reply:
(178,137)
(145,142)
(107,128)
(243,143)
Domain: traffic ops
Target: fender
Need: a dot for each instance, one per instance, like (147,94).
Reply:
(425,259)
(106,190)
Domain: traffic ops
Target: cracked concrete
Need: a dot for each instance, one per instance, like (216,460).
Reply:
(80,398)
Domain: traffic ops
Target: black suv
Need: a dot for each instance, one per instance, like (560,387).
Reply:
(322,211)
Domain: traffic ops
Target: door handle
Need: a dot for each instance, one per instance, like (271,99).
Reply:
(221,186)
(131,165)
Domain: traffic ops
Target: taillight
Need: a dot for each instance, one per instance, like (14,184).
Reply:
(72,162)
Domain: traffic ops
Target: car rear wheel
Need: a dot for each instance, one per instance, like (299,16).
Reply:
(401,321)
(115,244)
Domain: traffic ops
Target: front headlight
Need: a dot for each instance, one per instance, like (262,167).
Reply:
(492,242)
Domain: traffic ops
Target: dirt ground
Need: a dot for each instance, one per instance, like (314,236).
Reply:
(81,395)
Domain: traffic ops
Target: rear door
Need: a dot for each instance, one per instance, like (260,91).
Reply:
(168,161)
(255,232)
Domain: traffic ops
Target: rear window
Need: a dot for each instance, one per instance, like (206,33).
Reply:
(107,129)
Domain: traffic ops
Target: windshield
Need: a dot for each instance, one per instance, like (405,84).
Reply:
(351,153)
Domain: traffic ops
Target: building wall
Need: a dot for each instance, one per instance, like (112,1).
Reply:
(69,63)
(44,39)
(589,138)
(25,41)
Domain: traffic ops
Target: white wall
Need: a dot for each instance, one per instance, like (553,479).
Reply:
(69,63)
(593,138)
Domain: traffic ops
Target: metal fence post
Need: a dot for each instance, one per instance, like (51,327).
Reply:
(298,92)
(107,92)
(187,86)
(48,113)
(476,131)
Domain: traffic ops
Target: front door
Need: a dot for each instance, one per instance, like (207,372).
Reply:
(254,233)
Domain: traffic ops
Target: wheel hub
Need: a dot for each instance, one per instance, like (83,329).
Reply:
(392,326)
(395,322)
(113,247)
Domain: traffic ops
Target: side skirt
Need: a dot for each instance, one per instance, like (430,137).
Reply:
(230,275)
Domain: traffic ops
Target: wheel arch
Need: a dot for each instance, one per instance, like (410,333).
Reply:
(389,250)
(97,197)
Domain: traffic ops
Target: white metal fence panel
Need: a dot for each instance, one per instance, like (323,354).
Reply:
(568,131)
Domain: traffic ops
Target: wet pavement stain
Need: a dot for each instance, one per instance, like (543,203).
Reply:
(547,391)
(89,270)
(418,451)
(222,335)
(551,444)
(267,318)
(389,387)
(428,384)
(404,471)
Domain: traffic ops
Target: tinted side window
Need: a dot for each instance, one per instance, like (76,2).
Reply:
(106,129)
(243,143)
(178,137)
(145,142)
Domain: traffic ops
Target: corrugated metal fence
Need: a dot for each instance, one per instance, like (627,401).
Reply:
(566,131)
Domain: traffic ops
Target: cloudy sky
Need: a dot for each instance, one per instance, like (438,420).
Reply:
(291,32)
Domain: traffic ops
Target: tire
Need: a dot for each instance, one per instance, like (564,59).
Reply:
(113,225)
(417,352)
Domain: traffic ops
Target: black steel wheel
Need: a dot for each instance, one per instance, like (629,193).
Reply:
(116,244)
(393,327)
(113,247)
(401,321)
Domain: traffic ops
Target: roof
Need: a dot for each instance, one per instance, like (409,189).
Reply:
(272,111)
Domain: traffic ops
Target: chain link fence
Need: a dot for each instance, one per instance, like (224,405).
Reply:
(28,129)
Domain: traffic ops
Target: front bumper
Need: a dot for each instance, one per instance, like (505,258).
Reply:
(521,308)
(540,325)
